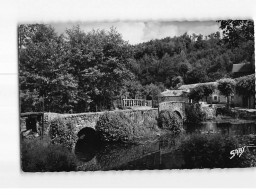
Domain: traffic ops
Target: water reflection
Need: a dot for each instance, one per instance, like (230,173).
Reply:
(163,154)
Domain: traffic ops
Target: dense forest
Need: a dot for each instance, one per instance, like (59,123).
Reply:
(87,71)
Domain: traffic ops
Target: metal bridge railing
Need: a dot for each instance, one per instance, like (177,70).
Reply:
(136,102)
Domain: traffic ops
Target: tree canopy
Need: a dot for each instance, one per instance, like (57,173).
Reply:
(87,71)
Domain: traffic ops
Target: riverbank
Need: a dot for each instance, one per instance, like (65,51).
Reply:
(231,120)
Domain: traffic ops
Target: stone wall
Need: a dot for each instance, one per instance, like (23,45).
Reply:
(146,117)
(173,106)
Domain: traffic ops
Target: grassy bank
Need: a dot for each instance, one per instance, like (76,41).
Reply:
(40,155)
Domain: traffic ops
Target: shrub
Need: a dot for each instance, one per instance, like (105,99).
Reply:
(246,85)
(170,121)
(41,156)
(61,132)
(226,112)
(213,151)
(194,114)
(117,127)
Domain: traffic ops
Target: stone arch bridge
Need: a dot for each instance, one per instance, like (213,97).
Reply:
(177,107)
(147,117)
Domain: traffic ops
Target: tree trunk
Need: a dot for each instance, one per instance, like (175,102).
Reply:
(249,102)
(228,102)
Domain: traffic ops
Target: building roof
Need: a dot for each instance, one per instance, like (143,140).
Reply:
(242,67)
(172,93)
(191,86)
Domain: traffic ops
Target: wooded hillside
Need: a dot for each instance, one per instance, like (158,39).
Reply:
(80,72)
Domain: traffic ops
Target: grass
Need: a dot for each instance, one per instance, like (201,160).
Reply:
(213,151)
(39,155)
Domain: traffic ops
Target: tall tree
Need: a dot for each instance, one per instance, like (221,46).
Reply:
(44,70)
(226,87)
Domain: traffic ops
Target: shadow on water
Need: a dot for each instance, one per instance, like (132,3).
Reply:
(166,153)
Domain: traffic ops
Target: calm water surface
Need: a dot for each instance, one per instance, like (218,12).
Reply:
(161,154)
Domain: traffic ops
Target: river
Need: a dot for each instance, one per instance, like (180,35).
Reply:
(161,154)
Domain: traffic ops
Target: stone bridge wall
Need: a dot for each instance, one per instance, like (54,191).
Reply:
(146,117)
(173,106)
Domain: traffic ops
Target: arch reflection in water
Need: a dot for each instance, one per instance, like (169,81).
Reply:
(88,144)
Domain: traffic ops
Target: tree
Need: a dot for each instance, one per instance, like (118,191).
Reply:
(152,91)
(196,94)
(177,82)
(197,75)
(208,89)
(44,71)
(237,31)
(200,91)
(101,61)
(226,87)
(245,86)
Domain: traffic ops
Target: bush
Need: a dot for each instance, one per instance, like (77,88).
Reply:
(245,86)
(170,121)
(116,127)
(41,156)
(194,114)
(61,132)
(213,151)
(226,112)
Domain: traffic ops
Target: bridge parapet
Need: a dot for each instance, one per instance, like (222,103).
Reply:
(145,117)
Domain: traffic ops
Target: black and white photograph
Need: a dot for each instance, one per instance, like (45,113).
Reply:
(136,95)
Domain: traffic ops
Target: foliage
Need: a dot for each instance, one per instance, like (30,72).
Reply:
(87,71)
(43,69)
(246,85)
(196,93)
(177,82)
(226,87)
(194,114)
(61,132)
(226,111)
(237,31)
(208,89)
(170,121)
(116,127)
(40,156)
(213,151)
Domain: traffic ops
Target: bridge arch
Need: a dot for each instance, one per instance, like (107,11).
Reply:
(88,134)
(178,114)
(173,106)
(87,144)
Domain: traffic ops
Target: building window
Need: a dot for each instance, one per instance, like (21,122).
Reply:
(215,98)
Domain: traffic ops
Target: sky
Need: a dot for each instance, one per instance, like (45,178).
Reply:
(141,31)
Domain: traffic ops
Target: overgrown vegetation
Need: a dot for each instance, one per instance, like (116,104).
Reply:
(245,86)
(39,155)
(170,121)
(226,112)
(227,88)
(116,127)
(61,132)
(213,151)
(201,91)
(194,113)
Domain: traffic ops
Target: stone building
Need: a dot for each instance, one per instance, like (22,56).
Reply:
(173,95)
(214,98)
